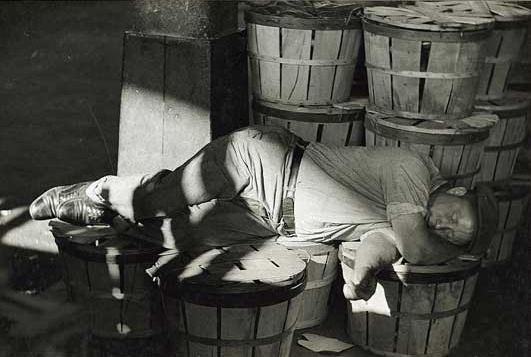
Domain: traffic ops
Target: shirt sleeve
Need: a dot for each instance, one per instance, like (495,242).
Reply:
(406,185)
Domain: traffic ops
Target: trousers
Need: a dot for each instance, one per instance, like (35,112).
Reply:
(230,191)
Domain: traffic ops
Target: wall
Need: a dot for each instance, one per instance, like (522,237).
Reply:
(60,70)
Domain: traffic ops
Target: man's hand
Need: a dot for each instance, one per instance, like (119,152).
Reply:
(362,287)
(375,252)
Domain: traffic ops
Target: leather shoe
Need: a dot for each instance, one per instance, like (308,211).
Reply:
(46,205)
(83,211)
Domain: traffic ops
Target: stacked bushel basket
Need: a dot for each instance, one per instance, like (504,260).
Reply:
(302,58)
(105,273)
(425,68)
(504,51)
(228,301)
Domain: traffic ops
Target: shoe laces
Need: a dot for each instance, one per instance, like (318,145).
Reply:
(92,212)
(73,191)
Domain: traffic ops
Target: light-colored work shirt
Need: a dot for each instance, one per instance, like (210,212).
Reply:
(344,192)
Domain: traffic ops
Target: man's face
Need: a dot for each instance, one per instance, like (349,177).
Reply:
(452,218)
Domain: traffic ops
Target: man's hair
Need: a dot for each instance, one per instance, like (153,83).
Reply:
(486,208)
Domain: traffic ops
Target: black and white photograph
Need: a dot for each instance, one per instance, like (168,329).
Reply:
(265,178)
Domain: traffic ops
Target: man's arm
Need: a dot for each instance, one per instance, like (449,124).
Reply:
(375,252)
(417,245)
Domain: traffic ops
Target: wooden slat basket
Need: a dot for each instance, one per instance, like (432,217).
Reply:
(512,205)
(105,272)
(504,49)
(321,273)
(456,152)
(415,311)
(424,61)
(340,125)
(234,301)
(506,137)
(302,55)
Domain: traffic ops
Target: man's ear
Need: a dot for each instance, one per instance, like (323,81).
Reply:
(457,191)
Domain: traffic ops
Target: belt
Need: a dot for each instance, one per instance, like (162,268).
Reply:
(288,211)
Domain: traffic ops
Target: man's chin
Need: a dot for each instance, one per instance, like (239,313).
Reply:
(455,241)
(440,234)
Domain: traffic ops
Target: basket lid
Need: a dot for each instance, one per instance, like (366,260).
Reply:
(455,269)
(235,276)
(512,104)
(101,243)
(306,15)
(504,11)
(434,16)
(448,132)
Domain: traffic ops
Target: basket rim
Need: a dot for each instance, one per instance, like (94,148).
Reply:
(381,125)
(90,252)
(370,13)
(514,102)
(343,20)
(316,114)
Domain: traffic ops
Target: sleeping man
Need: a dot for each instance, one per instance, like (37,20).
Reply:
(266,183)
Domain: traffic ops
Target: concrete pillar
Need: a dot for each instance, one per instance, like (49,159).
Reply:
(184,82)
(186,18)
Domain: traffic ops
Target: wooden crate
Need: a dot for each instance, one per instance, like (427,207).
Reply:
(423,62)
(506,137)
(415,311)
(234,301)
(321,273)
(512,205)
(106,273)
(504,49)
(331,125)
(299,57)
(456,152)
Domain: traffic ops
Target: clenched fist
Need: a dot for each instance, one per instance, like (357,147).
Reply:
(362,287)
(375,252)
